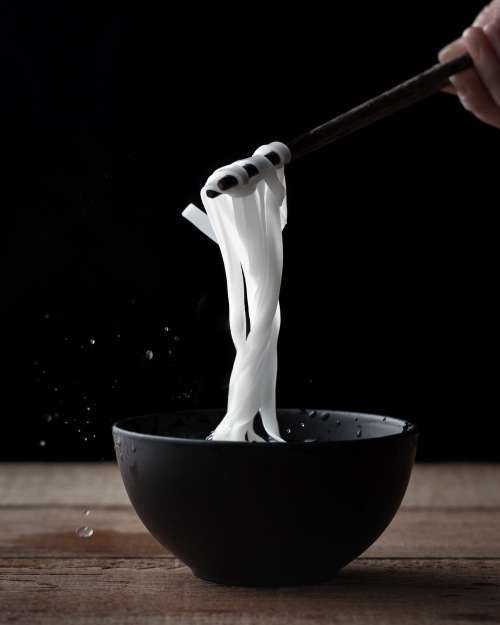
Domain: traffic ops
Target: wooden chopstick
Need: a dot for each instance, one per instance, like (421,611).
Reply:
(387,103)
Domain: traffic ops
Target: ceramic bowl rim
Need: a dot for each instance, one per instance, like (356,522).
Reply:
(408,430)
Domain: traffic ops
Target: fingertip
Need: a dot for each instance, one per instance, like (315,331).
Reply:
(451,51)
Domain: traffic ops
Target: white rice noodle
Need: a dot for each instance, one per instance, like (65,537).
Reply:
(247,222)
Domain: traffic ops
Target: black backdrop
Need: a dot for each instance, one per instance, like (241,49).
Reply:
(389,286)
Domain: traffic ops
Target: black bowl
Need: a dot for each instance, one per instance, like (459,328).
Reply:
(266,514)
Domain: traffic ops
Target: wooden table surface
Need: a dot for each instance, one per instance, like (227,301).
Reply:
(438,562)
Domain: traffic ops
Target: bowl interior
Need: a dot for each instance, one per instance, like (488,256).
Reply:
(296,425)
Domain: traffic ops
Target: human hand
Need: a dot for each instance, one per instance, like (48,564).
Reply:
(479,89)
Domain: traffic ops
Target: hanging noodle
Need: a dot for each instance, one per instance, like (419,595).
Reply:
(247,222)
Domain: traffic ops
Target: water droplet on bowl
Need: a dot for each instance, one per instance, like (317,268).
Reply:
(84,532)
(358,433)
(337,422)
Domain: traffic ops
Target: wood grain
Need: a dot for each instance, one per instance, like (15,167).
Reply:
(95,484)
(421,532)
(437,563)
(121,592)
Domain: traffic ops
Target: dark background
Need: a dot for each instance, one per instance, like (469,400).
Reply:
(110,125)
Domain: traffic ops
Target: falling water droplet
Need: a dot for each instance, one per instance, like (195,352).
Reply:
(84,532)
(358,433)
(86,512)
(149,354)
(176,338)
(167,329)
(48,418)
(169,352)
(56,389)
(92,341)
(42,443)
(133,448)
(288,431)
(46,316)
(302,424)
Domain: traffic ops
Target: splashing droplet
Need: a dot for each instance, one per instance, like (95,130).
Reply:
(84,532)
(149,354)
